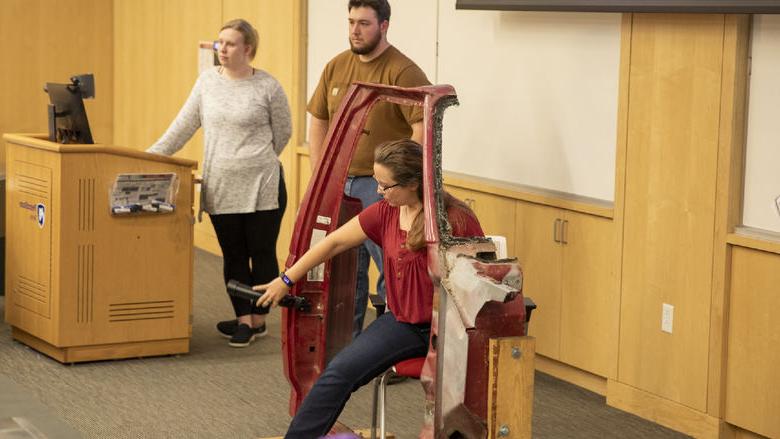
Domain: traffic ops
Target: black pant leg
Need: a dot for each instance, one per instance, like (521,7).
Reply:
(235,255)
(262,233)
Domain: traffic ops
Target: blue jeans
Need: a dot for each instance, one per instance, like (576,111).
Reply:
(364,189)
(384,343)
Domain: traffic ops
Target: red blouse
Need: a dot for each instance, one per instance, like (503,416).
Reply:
(407,282)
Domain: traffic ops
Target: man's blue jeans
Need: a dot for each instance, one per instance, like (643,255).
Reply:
(385,342)
(364,188)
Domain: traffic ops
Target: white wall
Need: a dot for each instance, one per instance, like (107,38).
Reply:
(538,91)
(538,94)
(762,166)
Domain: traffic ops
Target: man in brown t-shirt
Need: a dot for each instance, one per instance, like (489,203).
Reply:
(370,59)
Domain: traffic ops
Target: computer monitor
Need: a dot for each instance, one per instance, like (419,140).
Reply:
(67,117)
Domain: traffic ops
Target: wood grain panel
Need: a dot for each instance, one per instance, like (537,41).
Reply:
(590,304)
(540,258)
(510,387)
(663,411)
(156,64)
(496,214)
(156,54)
(673,125)
(48,41)
(753,340)
(729,195)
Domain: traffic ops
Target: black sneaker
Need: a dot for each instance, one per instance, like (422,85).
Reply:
(243,337)
(227,328)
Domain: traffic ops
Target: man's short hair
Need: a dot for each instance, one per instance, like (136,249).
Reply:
(381,7)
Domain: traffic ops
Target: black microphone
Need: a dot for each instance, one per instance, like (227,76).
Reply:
(237,289)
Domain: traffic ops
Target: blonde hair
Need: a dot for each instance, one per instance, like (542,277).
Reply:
(247,31)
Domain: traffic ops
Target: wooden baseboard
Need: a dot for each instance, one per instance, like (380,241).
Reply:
(76,354)
(662,411)
(738,433)
(571,374)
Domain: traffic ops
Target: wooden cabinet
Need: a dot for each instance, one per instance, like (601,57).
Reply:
(496,214)
(753,337)
(590,303)
(569,263)
(540,258)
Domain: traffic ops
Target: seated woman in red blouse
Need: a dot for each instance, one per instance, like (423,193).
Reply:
(396,224)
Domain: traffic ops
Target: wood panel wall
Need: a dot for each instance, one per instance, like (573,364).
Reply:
(676,66)
(684,127)
(156,64)
(50,41)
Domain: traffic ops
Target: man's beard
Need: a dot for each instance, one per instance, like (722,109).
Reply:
(368,48)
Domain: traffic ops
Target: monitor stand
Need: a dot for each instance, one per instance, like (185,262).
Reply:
(52,123)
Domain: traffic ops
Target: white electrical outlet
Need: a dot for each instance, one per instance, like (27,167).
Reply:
(667,317)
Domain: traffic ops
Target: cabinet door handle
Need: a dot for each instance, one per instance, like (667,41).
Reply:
(565,232)
(556,225)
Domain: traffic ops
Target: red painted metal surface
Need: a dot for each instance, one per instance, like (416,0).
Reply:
(307,342)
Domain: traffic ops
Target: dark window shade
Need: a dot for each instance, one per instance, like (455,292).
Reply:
(692,6)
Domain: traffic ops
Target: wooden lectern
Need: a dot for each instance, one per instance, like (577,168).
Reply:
(84,284)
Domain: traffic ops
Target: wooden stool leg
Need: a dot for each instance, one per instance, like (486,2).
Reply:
(511,387)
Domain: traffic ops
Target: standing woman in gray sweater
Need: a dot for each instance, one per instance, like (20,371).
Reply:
(246,125)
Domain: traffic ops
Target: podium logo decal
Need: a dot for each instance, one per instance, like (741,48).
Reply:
(37,212)
(41,214)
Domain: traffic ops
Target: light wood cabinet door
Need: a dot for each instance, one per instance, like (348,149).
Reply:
(569,265)
(752,402)
(569,262)
(496,214)
(589,294)
(539,256)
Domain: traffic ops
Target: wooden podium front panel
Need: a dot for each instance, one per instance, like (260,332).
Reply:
(83,284)
(29,214)
(125,278)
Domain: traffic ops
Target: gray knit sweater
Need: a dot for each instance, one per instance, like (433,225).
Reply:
(246,125)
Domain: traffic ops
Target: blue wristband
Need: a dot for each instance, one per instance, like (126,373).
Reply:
(287,281)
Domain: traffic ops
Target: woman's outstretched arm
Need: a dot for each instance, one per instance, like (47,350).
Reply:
(344,238)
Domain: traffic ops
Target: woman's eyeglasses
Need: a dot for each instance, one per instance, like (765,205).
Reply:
(387,188)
